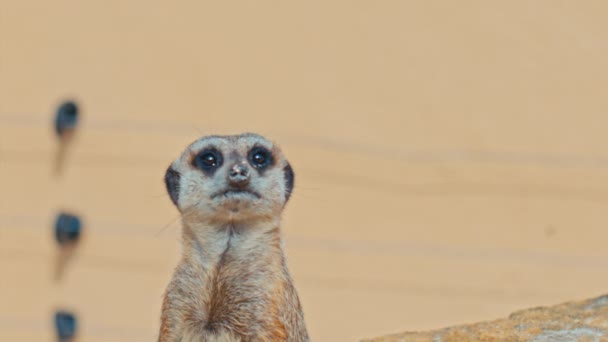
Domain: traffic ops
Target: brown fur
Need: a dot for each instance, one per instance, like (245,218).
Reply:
(232,283)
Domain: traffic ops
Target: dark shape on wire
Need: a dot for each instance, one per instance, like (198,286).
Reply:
(67,228)
(66,325)
(66,118)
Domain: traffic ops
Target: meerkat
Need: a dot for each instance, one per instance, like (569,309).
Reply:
(232,283)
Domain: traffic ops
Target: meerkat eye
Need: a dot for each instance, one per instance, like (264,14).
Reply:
(260,157)
(208,160)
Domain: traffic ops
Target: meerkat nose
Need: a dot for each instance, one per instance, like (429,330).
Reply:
(238,175)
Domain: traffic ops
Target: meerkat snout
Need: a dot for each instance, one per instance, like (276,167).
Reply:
(238,176)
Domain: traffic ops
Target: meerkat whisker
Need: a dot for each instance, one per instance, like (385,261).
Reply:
(165,227)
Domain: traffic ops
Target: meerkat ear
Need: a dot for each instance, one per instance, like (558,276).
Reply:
(289,180)
(172,182)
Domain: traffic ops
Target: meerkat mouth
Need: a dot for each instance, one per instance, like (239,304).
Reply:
(236,193)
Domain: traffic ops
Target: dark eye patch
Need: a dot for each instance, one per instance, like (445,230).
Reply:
(208,160)
(289,180)
(260,158)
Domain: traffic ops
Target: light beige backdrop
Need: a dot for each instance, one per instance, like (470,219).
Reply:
(451,157)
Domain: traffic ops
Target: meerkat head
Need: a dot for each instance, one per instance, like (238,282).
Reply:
(230,179)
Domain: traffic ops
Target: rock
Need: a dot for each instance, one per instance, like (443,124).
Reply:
(575,321)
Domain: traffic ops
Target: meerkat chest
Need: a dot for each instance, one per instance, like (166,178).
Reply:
(239,285)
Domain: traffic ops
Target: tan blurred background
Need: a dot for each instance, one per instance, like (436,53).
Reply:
(451,157)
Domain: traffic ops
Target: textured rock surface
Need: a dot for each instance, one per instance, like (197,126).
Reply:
(585,321)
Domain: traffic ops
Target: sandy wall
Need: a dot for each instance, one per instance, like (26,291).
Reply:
(451,157)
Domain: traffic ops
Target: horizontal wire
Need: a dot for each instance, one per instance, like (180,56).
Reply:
(33,222)
(375,285)
(11,323)
(453,189)
(378,248)
(461,188)
(46,157)
(395,154)
(594,194)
